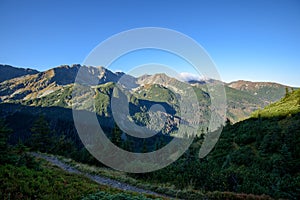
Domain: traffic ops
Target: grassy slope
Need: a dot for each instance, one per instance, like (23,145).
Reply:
(266,91)
(286,106)
(155,185)
(157,93)
(49,182)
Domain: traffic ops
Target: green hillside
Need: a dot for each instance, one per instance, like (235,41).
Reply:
(257,156)
(288,105)
(156,93)
(260,155)
(266,91)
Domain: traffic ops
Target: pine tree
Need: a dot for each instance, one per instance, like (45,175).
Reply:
(127,145)
(4,133)
(4,147)
(41,135)
(287,93)
(144,148)
(116,135)
(157,145)
(227,122)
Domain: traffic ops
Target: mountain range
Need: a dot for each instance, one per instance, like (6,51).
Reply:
(54,88)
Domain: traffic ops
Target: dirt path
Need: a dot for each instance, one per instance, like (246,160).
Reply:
(99,179)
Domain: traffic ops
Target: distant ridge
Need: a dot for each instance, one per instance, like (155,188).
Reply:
(8,72)
(249,85)
(267,91)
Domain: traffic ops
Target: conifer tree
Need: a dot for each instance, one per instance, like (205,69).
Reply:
(287,93)
(4,148)
(116,135)
(40,135)
(144,148)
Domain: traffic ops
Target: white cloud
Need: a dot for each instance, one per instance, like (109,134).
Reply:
(185,76)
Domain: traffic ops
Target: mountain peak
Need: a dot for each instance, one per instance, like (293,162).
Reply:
(66,74)
(160,78)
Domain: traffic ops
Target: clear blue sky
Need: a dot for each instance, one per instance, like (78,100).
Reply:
(251,40)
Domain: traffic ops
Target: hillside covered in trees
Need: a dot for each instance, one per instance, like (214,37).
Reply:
(257,156)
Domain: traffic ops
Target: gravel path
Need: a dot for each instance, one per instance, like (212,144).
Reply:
(99,179)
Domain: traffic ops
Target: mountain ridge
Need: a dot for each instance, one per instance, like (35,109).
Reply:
(267,91)
(8,72)
(59,80)
(238,84)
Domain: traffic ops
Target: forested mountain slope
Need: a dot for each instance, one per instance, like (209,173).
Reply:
(260,155)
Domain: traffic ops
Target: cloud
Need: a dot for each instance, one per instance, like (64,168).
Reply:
(185,76)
